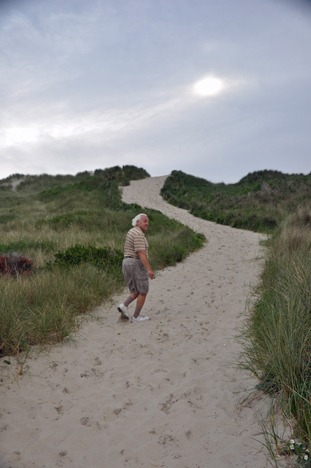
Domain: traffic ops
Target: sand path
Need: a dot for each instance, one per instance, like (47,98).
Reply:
(161,393)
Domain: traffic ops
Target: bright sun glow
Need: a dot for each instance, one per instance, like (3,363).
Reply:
(208,86)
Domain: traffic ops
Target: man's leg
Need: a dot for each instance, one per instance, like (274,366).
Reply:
(131,298)
(140,303)
(123,308)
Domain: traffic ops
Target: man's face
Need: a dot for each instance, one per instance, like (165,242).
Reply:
(143,223)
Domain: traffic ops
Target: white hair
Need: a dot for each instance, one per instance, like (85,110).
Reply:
(137,218)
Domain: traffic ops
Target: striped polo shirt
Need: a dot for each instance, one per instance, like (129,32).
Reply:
(135,242)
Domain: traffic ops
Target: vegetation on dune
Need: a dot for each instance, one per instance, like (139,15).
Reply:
(258,202)
(276,337)
(73,229)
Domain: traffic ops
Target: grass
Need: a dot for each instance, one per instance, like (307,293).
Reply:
(276,338)
(50,214)
(44,309)
(46,216)
(258,202)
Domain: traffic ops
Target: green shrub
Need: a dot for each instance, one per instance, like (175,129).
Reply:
(104,258)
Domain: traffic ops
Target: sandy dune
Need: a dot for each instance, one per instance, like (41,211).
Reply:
(161,393)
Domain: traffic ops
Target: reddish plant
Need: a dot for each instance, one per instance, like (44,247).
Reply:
(15,264)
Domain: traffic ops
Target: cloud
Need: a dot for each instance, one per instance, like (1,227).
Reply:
(88,84)
(59,122)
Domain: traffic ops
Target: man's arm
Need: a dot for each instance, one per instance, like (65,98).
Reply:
(144,261)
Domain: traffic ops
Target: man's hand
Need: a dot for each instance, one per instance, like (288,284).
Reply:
(144,261)
(151,274)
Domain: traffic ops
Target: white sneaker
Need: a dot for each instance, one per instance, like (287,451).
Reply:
(124,311)
(139,319)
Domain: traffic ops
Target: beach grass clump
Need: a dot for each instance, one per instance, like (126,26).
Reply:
(47,307)
(73,229)
(173,247)
(277,336)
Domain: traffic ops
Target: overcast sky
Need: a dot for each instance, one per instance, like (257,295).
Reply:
(215,88)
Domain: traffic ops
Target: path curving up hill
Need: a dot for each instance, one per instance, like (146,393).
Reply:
(161,393)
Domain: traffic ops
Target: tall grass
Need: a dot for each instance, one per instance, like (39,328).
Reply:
(50,214)
(277,336)
(43,309)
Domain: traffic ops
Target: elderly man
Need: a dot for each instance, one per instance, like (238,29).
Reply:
(136,267)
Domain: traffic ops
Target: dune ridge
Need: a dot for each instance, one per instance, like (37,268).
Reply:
(160,393)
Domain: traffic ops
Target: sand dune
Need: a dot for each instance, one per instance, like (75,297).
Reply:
(161,393)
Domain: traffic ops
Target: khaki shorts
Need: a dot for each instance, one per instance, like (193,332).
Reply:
(135,275)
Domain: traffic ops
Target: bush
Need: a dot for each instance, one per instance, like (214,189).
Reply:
(103,258)
(15,264)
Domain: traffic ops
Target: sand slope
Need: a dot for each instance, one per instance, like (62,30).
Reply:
(160,393)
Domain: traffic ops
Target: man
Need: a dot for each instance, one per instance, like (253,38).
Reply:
(136,268)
